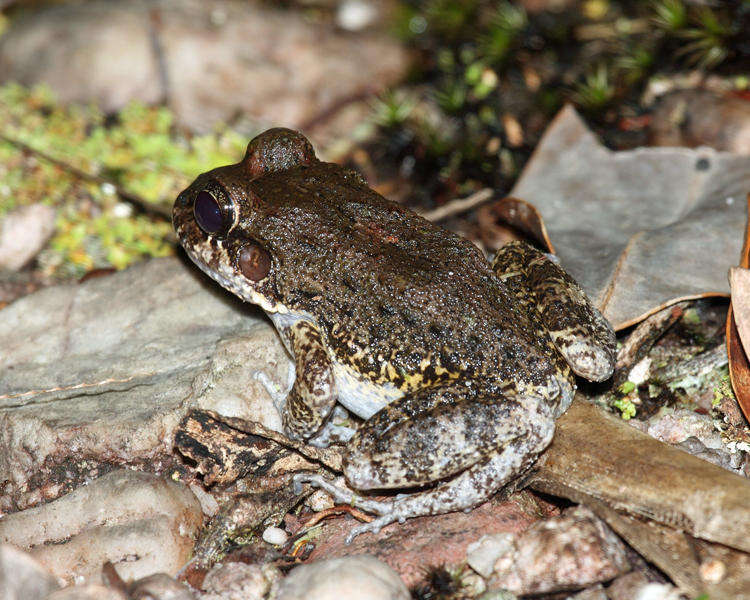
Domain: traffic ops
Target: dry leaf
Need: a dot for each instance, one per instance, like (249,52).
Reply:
(737,332)
(501,221)
(739,280)
(639,229)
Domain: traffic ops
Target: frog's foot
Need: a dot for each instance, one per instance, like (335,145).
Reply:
(278,395)
(578,330)
(386,511)
(335,430)
(341,494)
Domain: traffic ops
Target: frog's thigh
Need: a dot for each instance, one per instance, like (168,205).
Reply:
(478,483)
(313,393)
(579,331)
(443,440)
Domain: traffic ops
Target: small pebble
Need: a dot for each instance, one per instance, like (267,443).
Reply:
(640,372)
(355,15)
(483,554)
(23,233)
(658,591)
(712,571)
(319,501)
(209,505)
(275,536)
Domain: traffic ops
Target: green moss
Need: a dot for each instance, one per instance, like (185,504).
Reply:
(691,317)
(722,390)
(139,150)
(491,62)
(626,408)
(596,90)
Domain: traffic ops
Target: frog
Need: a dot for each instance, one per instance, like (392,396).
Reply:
(457,367)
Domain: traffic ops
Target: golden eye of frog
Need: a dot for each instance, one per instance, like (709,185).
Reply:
(459,367)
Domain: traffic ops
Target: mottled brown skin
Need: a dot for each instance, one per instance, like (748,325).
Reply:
(384,310)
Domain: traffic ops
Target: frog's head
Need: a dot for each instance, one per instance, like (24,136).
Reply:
(218,219)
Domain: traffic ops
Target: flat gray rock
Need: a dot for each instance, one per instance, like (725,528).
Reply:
(102,372)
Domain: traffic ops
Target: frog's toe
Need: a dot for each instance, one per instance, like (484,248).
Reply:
(590,350)
(373,526)
(595,363)
(342,494)
(278,396)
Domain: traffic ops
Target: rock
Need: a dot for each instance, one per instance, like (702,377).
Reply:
(632,206)
(141,523)
(319,501)
(354,578)
(628,586)
(87,592)
(356,15)
(239,581)
(482,554)
(229,385)
(160,587)
(659,591)
(209,61)
(101,373)
(698,117)
(22,577)
(23,233)
(696,434)
(568,552)
(593,593)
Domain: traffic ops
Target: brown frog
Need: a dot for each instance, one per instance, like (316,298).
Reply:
(458,367)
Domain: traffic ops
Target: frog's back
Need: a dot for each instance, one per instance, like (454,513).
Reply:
(389,285)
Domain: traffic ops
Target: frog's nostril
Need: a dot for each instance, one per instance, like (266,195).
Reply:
(208,213)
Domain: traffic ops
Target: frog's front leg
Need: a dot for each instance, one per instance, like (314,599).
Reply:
(577,329)
(313,393)
(484,440)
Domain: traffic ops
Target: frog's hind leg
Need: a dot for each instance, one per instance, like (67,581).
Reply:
(487,448)
(577,329)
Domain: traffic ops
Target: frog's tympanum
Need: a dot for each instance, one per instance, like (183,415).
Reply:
(459,368)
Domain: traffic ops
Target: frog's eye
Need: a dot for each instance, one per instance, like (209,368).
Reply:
(210,215)
(254,261)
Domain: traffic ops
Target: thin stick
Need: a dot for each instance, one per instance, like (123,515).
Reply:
(337,510)
(459,205)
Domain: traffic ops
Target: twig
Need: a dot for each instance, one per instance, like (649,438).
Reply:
(157,48)
(695,366)
(336,510)
(156,210)
(644,336)
(458,206)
